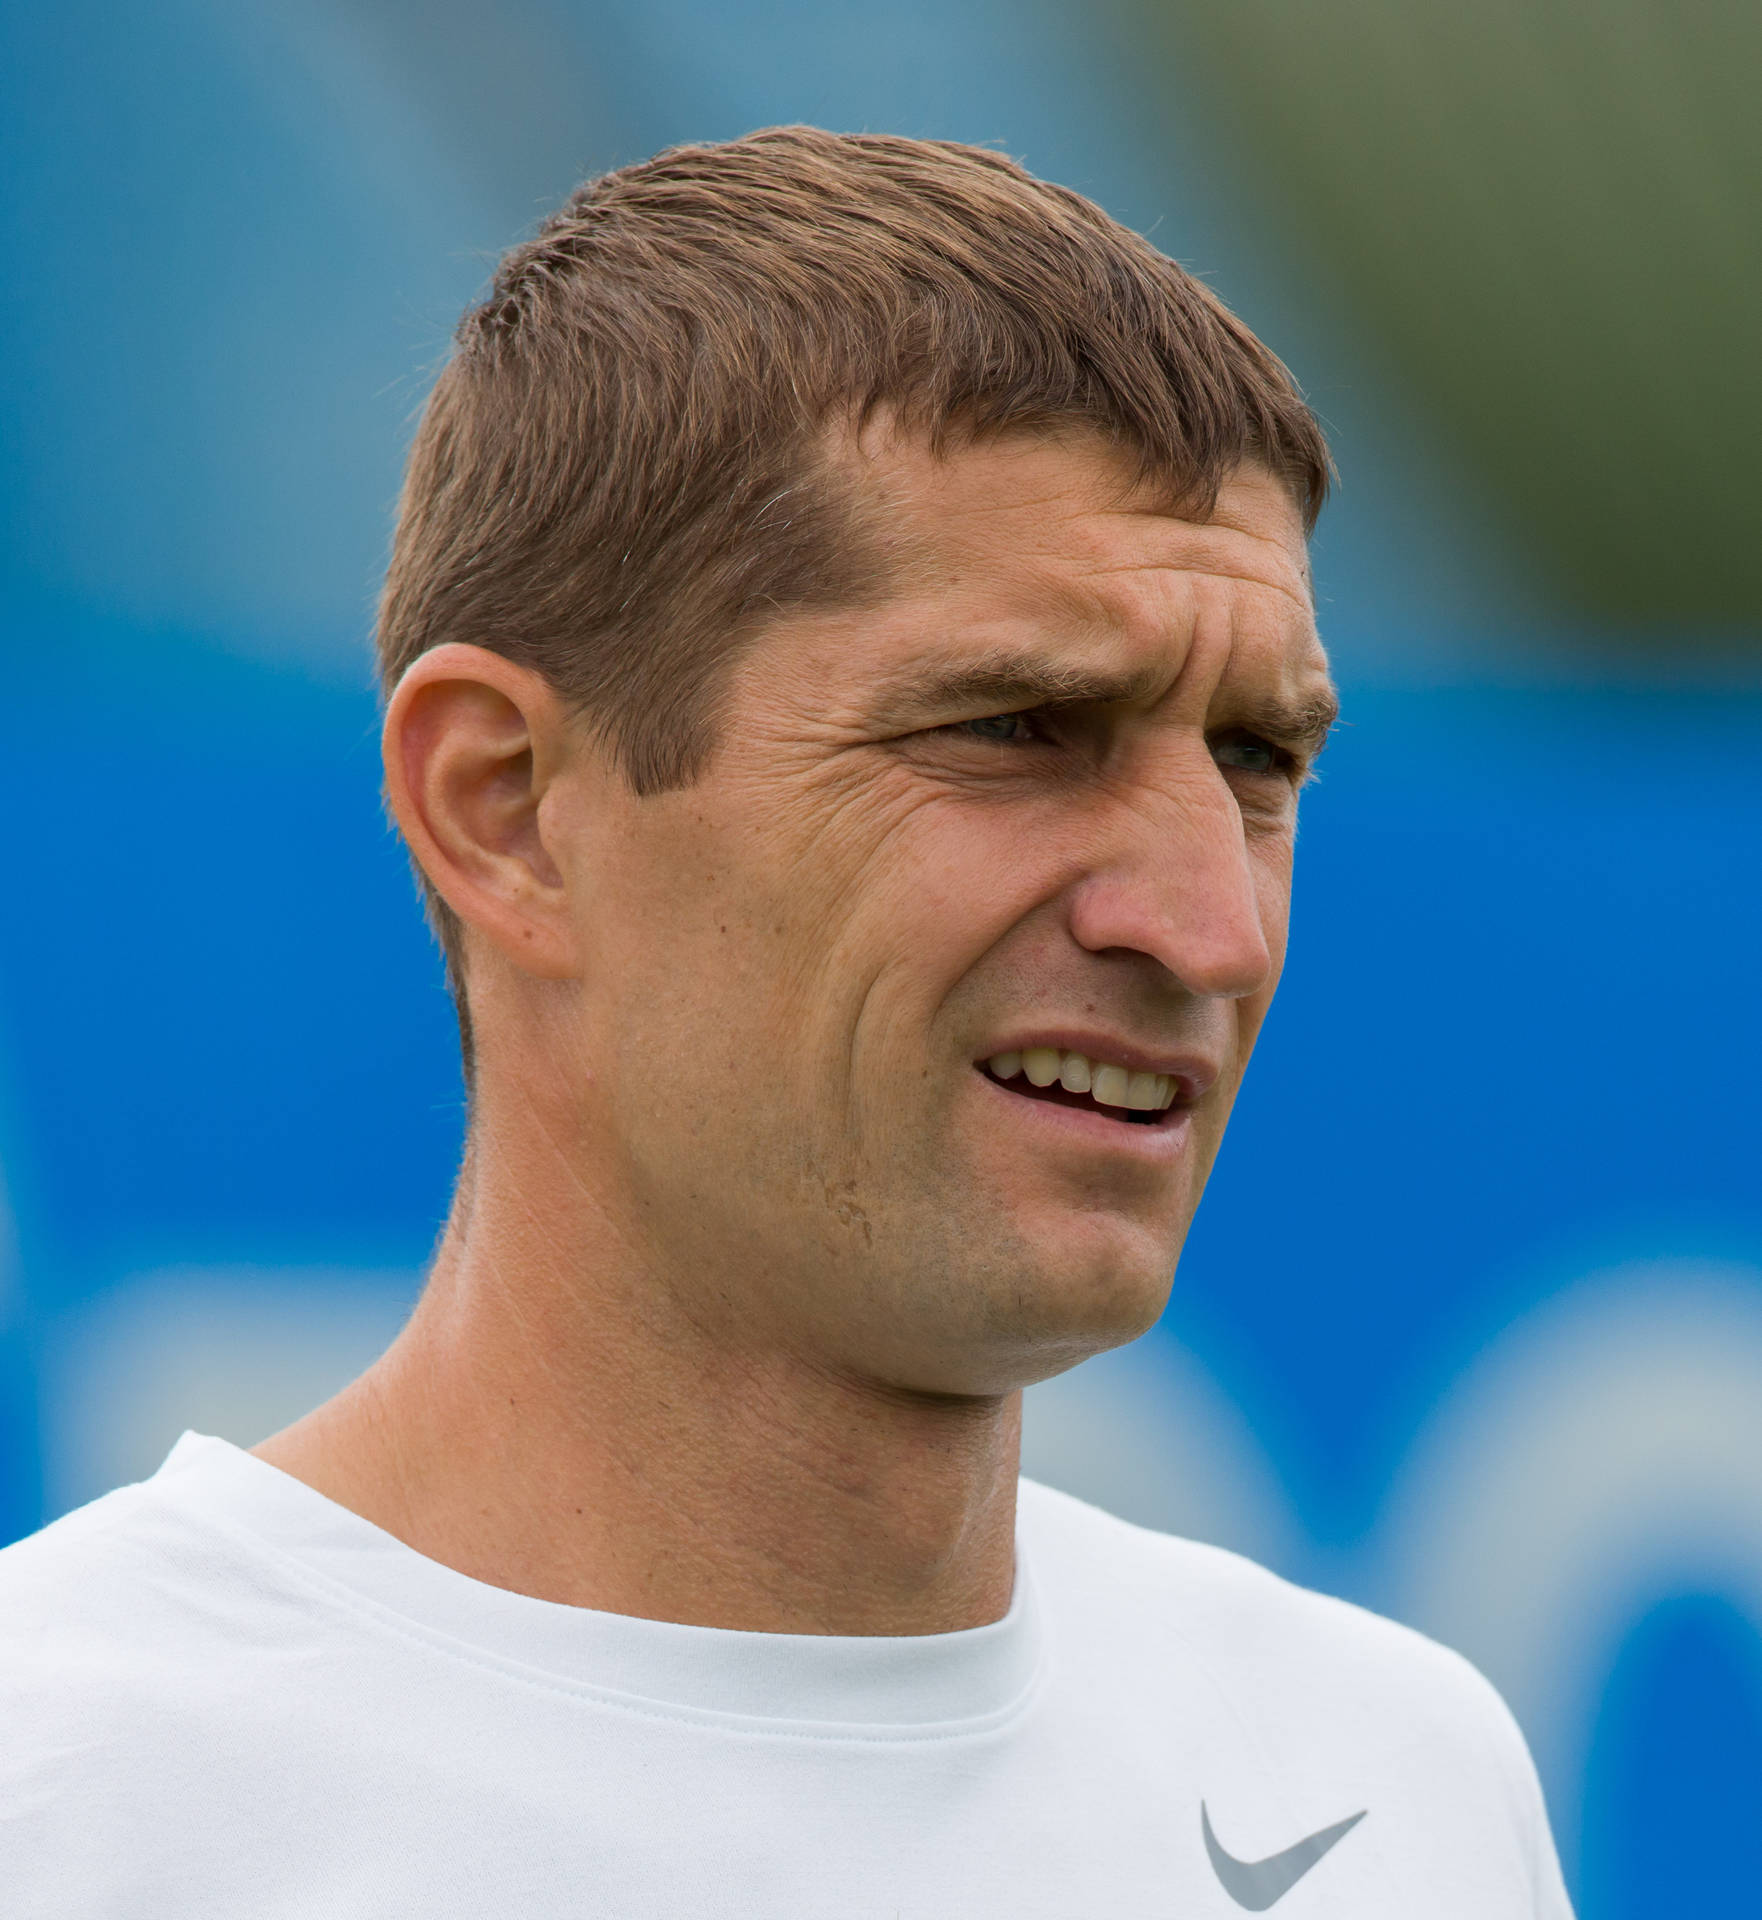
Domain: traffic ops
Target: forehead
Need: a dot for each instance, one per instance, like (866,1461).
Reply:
(1042,546)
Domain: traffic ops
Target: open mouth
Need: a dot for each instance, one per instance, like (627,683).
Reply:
(1102,1087)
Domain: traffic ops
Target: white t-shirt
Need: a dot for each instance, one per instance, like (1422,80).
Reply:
(222,1695)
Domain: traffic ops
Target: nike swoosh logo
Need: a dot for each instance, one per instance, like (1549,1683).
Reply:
(1256,1884)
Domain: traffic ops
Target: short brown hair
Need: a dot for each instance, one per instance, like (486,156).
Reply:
(622,472)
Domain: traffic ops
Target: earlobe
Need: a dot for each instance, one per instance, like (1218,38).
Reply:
(471,743)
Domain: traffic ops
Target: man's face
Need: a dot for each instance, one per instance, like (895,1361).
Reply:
(1039,806)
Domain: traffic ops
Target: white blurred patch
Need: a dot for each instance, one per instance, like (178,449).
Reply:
(237,1352)
(1146,1433)
(1604,1455)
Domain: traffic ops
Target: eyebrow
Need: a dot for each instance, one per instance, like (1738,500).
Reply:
(1015,680)
(1300,724)
(1011,681)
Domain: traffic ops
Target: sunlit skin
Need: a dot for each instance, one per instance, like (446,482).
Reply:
(751,1255)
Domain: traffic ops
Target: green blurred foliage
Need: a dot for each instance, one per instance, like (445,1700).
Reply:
(1546,215)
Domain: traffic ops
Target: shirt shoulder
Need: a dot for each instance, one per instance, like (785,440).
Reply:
(65,1576)
(124,1609)
(1240,1616)
(1310,1680)
(78,1595)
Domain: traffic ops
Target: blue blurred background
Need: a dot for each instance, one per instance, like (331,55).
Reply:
(1471,1325)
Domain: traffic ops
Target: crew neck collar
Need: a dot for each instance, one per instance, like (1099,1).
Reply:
(908,1684)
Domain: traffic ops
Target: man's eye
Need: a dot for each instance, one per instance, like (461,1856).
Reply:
(1248,753)
(1007,727)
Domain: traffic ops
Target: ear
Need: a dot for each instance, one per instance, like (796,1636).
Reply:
(471,743)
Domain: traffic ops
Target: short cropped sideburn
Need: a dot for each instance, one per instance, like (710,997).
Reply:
(621,472)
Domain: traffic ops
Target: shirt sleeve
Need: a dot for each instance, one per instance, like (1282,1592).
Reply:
(1549,1897)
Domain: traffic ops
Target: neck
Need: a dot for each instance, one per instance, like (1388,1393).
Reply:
(552,1421)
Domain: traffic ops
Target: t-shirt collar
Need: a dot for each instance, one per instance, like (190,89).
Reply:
(919,1683)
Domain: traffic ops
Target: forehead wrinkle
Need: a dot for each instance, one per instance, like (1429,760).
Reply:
(1161,596)
(1064,562)
(1205,547)
(1034,672)
(1300,601)
(1290,699)
(1069,591)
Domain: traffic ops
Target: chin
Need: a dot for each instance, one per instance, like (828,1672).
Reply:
(1077,1327)
(1064,1312)
(1053,1287)
(1104,1258)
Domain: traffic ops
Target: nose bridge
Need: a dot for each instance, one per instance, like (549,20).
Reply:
(1174,880)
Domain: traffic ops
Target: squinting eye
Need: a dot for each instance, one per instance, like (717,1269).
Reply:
(1248,753)
(1008,727)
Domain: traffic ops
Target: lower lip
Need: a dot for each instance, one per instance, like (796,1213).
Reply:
(1083,1127)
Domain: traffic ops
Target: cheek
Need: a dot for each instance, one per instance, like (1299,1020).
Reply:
(761,952)
(1272,887)
(1271,859)
(956,881)
(676,973)
(895,892)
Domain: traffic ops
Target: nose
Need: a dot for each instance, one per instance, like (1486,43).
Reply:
(1176,882)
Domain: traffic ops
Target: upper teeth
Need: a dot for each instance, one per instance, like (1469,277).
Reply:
(1105,1083)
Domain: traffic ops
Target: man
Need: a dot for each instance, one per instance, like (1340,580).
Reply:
(850,669)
